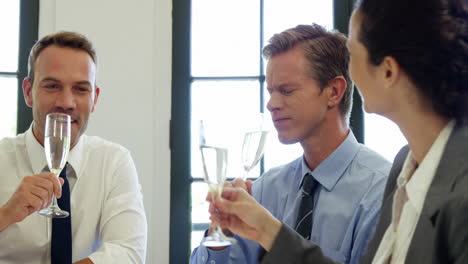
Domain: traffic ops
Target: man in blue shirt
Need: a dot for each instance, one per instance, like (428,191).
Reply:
(311,97)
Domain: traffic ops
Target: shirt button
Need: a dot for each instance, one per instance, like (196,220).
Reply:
(212,262)
(203,258)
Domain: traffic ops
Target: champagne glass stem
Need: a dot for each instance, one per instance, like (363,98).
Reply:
(54,198)
(214,194)
(217,233)
(219,230)
(54,201)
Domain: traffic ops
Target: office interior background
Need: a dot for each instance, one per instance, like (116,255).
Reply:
(162,65)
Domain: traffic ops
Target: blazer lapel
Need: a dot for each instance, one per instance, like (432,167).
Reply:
(451,167)
(387,202)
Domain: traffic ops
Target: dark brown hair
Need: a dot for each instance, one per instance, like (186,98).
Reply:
(429,39)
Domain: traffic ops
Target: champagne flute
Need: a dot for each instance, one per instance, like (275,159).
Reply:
(56,146)
(214,159)
(254,144)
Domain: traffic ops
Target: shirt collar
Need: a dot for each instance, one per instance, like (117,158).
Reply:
(329,171)
(38,159)
(75,158)
(35,152)
(420,181)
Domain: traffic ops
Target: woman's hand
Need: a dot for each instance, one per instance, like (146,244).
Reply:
(239,212)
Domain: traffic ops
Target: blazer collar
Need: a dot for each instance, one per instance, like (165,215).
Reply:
(452,164)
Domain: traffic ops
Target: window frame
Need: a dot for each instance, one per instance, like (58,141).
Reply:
(181,179)
(28,34)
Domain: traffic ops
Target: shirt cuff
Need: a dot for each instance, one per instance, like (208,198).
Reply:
(213,256)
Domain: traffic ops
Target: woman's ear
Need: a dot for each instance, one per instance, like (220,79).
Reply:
(390,71)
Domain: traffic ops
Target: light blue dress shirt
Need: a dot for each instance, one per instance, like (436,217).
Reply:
(347,204)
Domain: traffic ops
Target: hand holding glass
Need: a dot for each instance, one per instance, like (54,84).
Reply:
(214,160)
(56,146)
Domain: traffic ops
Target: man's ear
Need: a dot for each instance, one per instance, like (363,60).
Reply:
(97,91)
(337,88)
(27,91)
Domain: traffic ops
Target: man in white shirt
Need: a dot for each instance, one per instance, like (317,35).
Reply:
(108,223)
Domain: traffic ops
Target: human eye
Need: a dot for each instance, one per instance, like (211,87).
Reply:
(286,91)
(51,86)
(82,89)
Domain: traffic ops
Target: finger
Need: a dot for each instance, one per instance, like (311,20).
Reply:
(61,181)
(238,182)
(233,193)
(57,185)
(230,207)
(227,184)
(212,209)
(35,186)
(249,185)
(45,181)
(49,182)
(34,203)
(40,193)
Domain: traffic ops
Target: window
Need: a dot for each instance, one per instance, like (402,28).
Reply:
(227,75)
(383,136)
(19,33)
(9,45)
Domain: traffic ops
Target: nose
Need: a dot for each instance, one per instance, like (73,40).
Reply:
(65,99)
(274,103)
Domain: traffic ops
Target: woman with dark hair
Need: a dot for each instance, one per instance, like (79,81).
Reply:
(409,60)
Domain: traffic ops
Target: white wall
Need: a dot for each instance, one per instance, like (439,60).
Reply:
(133,43)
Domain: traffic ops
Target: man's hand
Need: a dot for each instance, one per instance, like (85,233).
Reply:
(33,194)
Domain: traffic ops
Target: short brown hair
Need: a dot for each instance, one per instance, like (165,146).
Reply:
(325,51)
(62,39)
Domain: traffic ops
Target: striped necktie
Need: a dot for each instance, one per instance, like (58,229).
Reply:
(304,216)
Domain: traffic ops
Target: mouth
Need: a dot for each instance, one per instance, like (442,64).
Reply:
(275,120)
(74,118)
(280,122)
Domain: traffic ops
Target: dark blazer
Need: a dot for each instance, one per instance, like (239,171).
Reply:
(441,235)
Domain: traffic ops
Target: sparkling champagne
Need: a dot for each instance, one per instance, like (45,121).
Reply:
(214,164)
(56,149)
(253,148)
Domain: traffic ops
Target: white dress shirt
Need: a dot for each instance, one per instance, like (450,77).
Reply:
(412,186)
(108,218)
